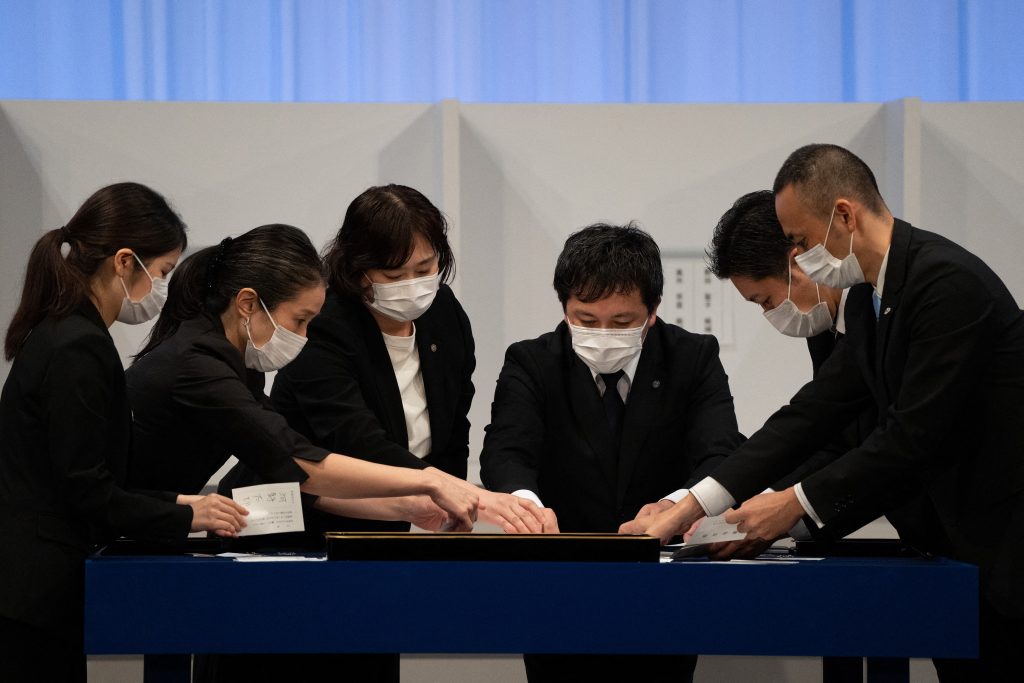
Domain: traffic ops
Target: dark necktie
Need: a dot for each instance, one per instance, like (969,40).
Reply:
(613,405)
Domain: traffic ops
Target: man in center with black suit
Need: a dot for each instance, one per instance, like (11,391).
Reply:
(612,410)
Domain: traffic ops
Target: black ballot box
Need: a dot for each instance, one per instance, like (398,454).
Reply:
(384,546)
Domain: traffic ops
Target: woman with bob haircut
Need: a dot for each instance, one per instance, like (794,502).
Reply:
(387,373)
(387,376)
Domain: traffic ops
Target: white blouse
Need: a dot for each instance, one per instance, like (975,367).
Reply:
(405,359)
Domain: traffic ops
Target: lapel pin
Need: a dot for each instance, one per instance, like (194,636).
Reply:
(888,310)
(433,347)
(656,383)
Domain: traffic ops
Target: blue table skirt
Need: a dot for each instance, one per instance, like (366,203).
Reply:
(831,607)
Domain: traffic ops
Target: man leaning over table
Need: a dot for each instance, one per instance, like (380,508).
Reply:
(936,341)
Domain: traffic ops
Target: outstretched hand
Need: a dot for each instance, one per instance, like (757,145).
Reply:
(513,514)
(767,516)
(215,513)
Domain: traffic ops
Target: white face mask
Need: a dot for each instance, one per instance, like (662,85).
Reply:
(149,306)
(280,350)
(824,268)
(790,321)
(405,300)
(606,350)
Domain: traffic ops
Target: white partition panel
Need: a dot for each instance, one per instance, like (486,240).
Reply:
(532,174)
(225,168)
(972,179)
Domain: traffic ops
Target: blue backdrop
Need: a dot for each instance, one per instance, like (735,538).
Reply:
(512,50)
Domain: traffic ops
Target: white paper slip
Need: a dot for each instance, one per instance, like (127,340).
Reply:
(279,558)
(715,530)
(273,508)
(736,563)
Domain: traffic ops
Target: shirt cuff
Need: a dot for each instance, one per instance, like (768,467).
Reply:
(530,496)
(806,504)
(677,496)
(800,532)
(712,496)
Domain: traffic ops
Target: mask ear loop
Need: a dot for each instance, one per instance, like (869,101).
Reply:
(272,321)
(143,266)
(831,216)
(144,270)
(124,285)
(789,292)
(248,330)
(369,293)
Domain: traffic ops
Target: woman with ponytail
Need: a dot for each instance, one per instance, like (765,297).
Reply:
(65,425)
(235,311)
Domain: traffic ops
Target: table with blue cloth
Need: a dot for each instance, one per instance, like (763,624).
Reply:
(885,609)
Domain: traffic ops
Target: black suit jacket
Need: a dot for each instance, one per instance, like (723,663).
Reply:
(196,404)
(944,366)
(820,347)
(549,432)
(915,520)
(65,435)
(341,392)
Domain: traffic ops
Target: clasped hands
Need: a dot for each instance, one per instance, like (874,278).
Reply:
(512,514)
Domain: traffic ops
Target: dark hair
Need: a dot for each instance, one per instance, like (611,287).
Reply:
(379,231)
(824,173)
(749,241)
(121,216)
(278,261)
(601,260)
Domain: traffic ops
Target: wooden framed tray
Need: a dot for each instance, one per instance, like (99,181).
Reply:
(378,546)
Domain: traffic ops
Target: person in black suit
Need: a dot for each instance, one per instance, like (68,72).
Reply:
(613,409)
(235,311)
(935,342)
(387,377)
(387,373)
(750,249)
(65,425)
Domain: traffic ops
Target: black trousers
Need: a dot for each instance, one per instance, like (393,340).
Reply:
(627,668)
(1001,639)
(29,653)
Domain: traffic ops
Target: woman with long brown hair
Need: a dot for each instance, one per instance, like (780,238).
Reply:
(65,425)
